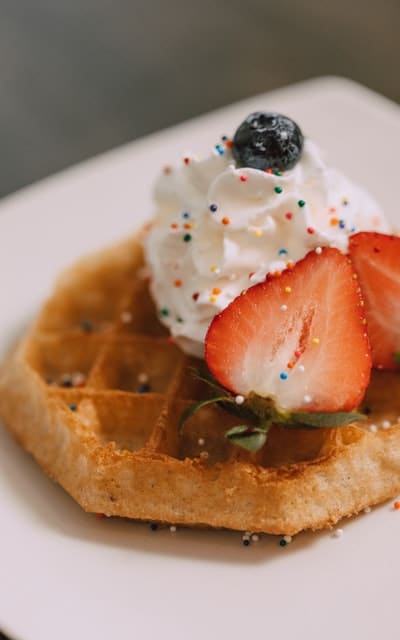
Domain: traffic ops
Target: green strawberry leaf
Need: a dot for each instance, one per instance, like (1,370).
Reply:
(190,411)
(249,438)
(302,419)
(209,380)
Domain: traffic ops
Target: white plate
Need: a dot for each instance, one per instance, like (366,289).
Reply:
(65,574)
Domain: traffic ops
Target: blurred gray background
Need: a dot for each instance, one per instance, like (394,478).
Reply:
(78,77)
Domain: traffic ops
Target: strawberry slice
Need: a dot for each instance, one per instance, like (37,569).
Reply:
(376,259)
(298,338)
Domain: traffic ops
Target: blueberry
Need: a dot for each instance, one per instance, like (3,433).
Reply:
(267,141)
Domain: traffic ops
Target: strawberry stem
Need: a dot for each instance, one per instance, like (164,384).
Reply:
(261,413)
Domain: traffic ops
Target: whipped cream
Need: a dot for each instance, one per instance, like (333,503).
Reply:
(219,229)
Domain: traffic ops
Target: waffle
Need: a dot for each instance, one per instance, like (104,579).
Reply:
(95,390)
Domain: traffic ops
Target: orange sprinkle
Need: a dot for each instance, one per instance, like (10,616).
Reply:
(216,291)
(276,274)
(177,283)
(268,170)
(174,225)
(333,221)
(289,265)
(397,504)
(188,225)
(229,144)
(332,210)
(290,365)
(288,289)
(225,220)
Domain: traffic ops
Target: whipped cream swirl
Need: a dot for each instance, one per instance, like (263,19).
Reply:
(219,229)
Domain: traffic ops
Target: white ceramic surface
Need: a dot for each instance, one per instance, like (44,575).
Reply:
(66,574)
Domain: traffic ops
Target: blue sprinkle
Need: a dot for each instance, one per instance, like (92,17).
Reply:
(282,543)
(72,407)
(224,138)
(186,215)
(86,325)
(143,388)
(213,207)
(282,252)
(220,149)
(342,224)
(352,229)
(283,375)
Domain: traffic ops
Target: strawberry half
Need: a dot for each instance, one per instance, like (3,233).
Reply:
(376,259)
(298,338)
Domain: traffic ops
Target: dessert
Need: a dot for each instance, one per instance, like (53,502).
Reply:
(96,390)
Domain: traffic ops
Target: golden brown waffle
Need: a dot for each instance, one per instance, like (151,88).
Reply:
(95,391)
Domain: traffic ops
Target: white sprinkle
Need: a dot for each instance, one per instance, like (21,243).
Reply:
(288,539)
(255,537)
(143,378)
(201,442)
(245,536)
(338,533)
(239,399)
(78,379)
(301,367)
(253,278)
(233,276)
(367,510)
(318,250)
(172,528)
(284,307)
(386,424)
(373,428)
(307,399)
(126,317)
